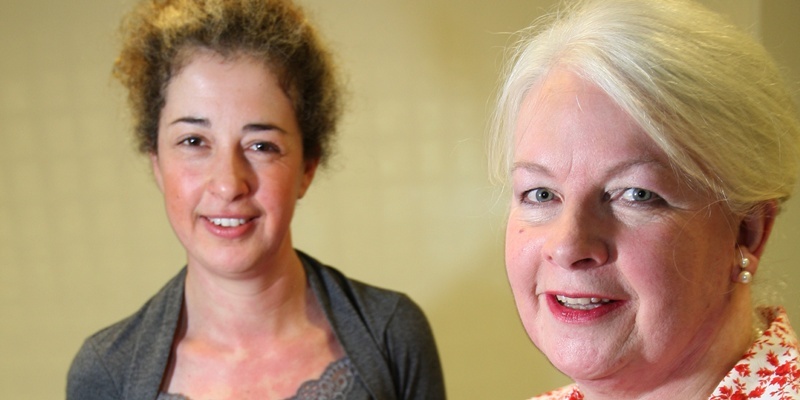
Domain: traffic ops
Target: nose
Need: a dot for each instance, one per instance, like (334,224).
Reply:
(577,238)
(230,175)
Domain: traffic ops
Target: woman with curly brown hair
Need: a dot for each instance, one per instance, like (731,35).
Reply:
(235,103)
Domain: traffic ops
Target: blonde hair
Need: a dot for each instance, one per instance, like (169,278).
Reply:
(708,95)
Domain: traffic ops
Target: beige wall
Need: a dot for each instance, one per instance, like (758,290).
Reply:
(406,203)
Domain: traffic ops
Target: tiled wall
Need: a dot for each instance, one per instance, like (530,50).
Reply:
(405,204)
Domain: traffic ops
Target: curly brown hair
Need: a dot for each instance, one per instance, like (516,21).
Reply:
(160,35)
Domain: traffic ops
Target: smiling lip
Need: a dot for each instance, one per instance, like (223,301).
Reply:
(580,309)
(228,222)
(229,227)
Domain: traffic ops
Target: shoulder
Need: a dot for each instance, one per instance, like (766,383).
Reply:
(370,303)
(106,358)
(770,368)
(384,332)
(89,377)
(117,341)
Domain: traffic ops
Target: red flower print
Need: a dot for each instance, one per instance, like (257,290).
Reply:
(764,372)
(757,392)
(772,359)
(783,369)
(743,369)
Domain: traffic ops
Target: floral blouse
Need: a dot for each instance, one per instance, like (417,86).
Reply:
(769,370)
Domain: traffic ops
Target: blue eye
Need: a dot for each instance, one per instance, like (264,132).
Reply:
(539,195)
(638,194)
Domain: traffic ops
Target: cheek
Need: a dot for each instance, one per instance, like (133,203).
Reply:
(522,264)
(648,264)
(521,259)
(181,189)
(673,273)
(278,185)
(692,255)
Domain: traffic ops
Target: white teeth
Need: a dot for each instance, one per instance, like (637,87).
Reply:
(581,303)
(227,222)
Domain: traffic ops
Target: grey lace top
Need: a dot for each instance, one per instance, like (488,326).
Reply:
(334,384)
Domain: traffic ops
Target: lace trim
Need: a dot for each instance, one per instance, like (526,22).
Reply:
(334,384)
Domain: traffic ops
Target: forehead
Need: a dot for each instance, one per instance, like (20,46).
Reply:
(189,54)
(565,122)
(564,100)
(211,80)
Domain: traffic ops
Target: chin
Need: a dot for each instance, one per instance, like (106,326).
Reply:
(231,265)
(581,371)
(580,360)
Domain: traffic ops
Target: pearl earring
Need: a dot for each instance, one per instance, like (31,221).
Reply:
(745,276)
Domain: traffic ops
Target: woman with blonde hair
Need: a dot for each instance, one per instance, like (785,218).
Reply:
(236,104)
(649,146)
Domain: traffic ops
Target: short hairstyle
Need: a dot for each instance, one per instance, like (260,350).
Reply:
(708,95)
(160,35)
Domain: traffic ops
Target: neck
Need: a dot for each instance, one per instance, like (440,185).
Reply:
(698,373)
(275,302)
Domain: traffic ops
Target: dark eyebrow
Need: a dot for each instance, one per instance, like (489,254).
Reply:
(192,120)
(261,127)
(204,122)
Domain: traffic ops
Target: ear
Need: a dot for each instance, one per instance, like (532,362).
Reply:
(755,229)
(309,169)
(156,171)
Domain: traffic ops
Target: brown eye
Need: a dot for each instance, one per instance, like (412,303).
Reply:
(192,141)
(265,147)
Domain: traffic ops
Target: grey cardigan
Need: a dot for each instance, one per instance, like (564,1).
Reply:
(385,335)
